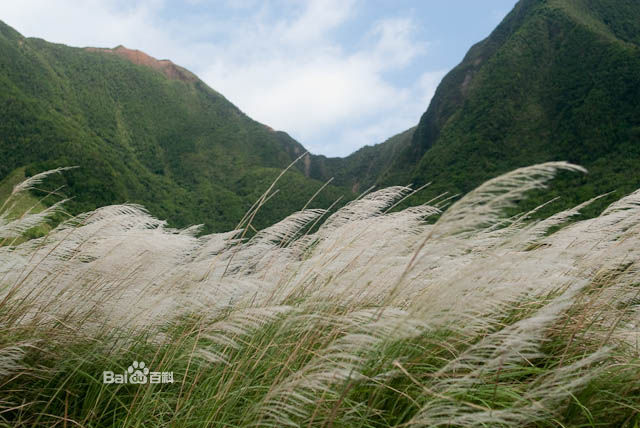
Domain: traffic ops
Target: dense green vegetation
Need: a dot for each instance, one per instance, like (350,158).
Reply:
(366,166)
(177,147)
(556,80)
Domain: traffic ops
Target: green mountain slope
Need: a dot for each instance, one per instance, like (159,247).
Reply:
(366,166)
(143,131)
(556,80)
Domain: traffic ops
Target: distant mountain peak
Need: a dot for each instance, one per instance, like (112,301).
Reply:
(165,66)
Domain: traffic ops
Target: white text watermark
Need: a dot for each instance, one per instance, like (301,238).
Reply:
(137,373)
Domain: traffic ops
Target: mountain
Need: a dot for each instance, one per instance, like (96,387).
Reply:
(556,80)
(140,130)
(364,167)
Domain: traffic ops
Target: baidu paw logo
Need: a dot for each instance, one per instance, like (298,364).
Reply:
(138,372)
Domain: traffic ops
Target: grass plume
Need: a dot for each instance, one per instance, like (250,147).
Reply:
(373,319)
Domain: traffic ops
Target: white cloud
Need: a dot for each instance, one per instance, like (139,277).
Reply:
(407,106)
(283,62)
(395,47)
(317,19)
(103,23)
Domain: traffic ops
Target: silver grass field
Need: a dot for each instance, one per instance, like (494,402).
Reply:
(449,314)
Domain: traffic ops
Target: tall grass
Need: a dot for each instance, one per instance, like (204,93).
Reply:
(377,318)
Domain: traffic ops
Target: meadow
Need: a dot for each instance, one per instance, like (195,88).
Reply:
(454,313)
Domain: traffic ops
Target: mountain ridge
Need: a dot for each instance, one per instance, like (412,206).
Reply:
(177,147)
(549,83)
(165,66)
(555,80)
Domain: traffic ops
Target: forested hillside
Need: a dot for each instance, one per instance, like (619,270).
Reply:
(556,80)
(157,136)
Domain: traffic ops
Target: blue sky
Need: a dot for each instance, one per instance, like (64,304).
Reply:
(335,74)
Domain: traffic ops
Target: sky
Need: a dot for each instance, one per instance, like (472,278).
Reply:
(334,74)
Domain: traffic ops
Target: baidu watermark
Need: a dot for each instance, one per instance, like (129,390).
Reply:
(137,373)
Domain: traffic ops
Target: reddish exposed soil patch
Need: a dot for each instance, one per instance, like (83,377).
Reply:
(165,66)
